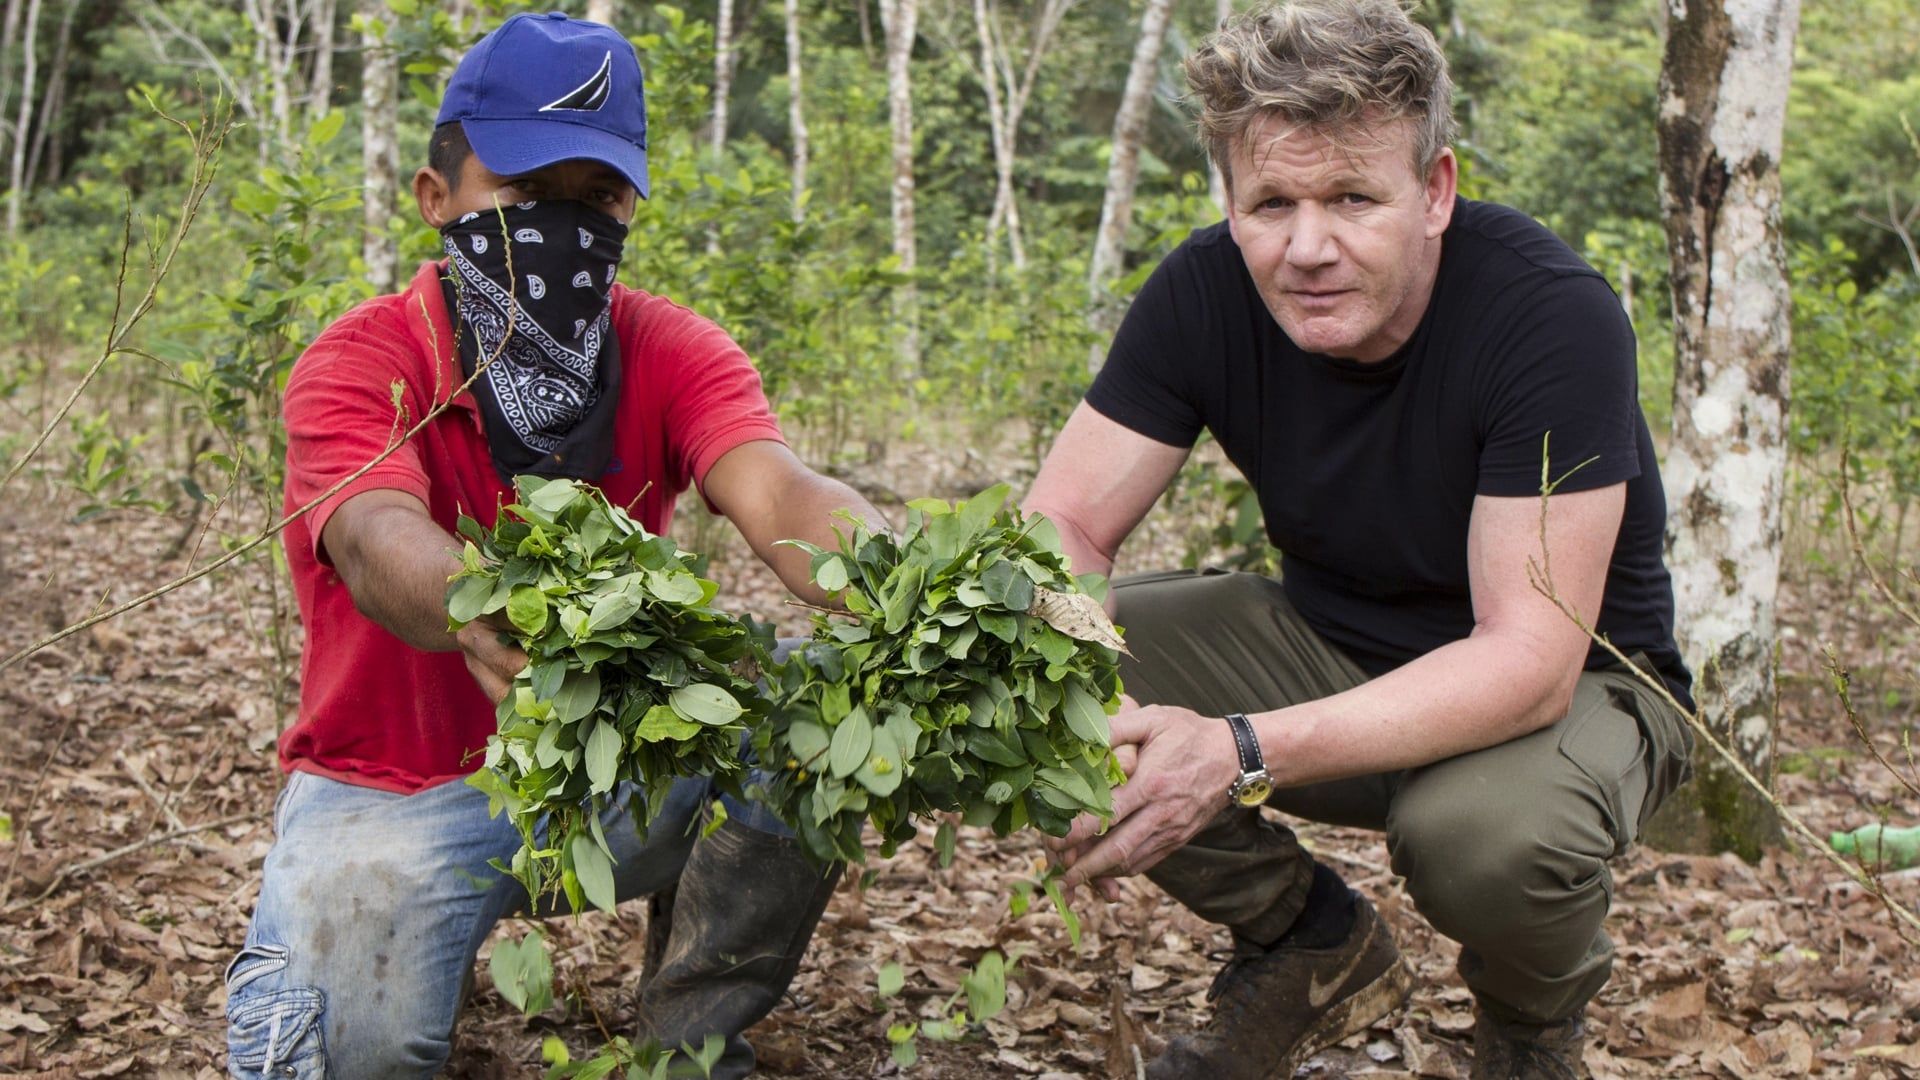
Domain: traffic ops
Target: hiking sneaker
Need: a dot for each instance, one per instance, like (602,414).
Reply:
(1275,1008)
(1511,1050)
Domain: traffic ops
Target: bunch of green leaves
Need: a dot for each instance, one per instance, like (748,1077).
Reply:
(631,675)
(971,672)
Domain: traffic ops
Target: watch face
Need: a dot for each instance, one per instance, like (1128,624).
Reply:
(1253,792)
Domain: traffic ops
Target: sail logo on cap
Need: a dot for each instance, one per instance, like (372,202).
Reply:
(589,96)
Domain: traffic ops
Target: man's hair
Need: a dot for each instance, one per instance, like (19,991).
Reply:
(1330,66)
(448,150)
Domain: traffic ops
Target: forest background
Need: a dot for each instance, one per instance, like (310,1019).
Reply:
(193,189)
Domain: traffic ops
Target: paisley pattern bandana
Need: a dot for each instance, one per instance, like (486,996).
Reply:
(530,288)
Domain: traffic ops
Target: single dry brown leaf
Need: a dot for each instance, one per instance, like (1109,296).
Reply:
(1078,616)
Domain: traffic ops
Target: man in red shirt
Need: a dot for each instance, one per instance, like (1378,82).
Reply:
(378,892)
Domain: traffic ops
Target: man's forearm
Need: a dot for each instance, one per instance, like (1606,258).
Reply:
(1468,695)
(396,566)
(1083,555)
(807,513)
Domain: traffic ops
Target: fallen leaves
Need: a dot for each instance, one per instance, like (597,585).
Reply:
(118,972)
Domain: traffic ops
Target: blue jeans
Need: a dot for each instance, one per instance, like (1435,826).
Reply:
(373,906)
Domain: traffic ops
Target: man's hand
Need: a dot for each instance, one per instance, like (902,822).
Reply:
(492,657)
(1181,766)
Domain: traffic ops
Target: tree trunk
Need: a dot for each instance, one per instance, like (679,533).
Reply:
(1723,89)
(56,97)
(722,91)
(722,76)
(1007,97)
(9,33)
(279,26)
(23,120)
(796,112)
(320,83)
(901,17)
(379,146)
(1116,210)
(996,134)
(1217,184)
(600,11)
(273,58)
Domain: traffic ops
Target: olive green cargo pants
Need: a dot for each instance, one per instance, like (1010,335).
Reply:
(1504,849)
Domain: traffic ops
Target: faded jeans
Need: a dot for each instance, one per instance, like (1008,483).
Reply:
(373,907)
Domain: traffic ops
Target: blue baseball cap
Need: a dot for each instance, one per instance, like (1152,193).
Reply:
(547,88)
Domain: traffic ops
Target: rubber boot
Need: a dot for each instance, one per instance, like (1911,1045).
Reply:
(741,919)
(659,928)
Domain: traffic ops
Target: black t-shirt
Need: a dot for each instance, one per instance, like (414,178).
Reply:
(1366,473)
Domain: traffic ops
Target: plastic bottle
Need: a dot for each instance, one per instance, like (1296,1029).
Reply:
(1881,848)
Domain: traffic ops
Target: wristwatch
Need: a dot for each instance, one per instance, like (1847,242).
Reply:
(1254,783)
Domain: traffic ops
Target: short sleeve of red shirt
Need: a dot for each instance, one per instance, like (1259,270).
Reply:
(340,414)
(713,398)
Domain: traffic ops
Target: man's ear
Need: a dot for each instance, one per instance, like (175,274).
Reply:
(1443,183)
(432,194)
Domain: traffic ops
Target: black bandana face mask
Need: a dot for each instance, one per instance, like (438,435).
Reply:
(552,377)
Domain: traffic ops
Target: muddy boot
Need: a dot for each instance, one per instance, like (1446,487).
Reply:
(1517,1050)
(741,918)
(659,928)
(1273,1008)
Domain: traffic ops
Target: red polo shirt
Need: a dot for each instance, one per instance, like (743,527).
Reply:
(373,710)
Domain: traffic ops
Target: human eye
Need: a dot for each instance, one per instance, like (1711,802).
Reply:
(1354,198)
(1276,203)
(526,185)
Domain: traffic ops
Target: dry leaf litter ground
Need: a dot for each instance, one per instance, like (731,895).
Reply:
(161,722)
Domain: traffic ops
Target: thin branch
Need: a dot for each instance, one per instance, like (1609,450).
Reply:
(33,800)
(1898,225)
(280,526)
(1542,582)
(206,151)
(208,60)
(1842,687)
(139,778)
(1900,606)
(68,873)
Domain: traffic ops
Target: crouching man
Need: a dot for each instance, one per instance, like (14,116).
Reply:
(1385,362)
(377,891)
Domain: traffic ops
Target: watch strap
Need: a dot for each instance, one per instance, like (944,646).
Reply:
(1243,741)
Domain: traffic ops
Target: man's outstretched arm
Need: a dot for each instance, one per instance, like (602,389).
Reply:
(395,561)
(770,496)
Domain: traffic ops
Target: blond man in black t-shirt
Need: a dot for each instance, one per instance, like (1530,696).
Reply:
(1387,363)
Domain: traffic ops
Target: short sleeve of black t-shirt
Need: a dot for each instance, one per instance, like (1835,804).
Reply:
(1367,473)
(1560,380)
(1143,385)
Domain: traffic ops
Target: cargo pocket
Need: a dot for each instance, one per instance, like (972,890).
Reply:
(1604,741)
(1668,736)
(271,1032)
